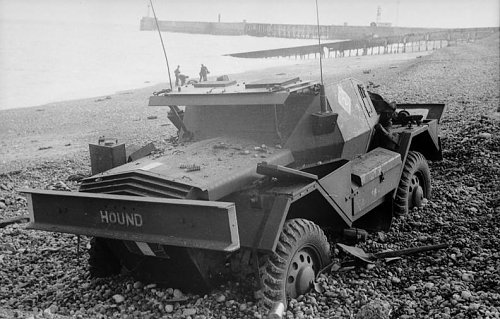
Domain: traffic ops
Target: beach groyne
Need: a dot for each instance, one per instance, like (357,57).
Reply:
(374,46)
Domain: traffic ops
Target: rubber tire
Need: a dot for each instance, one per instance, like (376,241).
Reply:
(102,260)
(296,234)
(415,164)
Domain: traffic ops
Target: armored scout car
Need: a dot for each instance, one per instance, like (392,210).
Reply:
(268,170)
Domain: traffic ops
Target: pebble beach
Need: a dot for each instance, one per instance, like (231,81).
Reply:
(42,275)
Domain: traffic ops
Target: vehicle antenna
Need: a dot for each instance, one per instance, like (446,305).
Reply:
(322,91)
(162,44)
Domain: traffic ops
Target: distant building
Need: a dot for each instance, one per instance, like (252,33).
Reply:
(381,24)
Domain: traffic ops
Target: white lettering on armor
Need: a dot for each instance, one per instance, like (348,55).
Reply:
(104,216)
(138,220)
(121,218)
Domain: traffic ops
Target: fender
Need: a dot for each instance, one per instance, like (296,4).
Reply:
(423,139)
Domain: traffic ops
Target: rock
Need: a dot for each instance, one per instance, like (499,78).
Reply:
(376,309)
(467,277)
(336,267)
(150,286)
(466,295)
(53,308)
(318,288)
(412,288)
(382,237)
(169,308)
(429,285)
(138,285)
(474,306)
(118,298)
(395,280)
(7,247)
(47,313)
(257,294)
(177,293)
(189,312)
(75,177)
(221,298)
(2,205)
(485,135)
(60,185)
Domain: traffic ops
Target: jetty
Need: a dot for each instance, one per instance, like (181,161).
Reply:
(355,40)
(297,31)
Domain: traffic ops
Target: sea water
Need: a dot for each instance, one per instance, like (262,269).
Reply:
(56,50)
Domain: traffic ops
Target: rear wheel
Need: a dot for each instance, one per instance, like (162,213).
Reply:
(301,252)
(415,184)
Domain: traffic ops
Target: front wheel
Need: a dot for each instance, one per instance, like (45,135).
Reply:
(301,252)
(415,184)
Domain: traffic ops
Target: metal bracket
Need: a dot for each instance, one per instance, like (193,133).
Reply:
(382,177)
(354,193)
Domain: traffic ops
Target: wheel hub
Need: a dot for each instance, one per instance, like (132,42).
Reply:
(304,280)
(418,196)
(416,193)
(301,274)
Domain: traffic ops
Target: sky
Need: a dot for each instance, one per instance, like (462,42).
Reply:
(409,13)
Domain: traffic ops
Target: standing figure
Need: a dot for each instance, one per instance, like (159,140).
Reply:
(203,73)
(183,78)
(177,72)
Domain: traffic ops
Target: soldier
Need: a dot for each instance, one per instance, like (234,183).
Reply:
(183,78)
(203,73)
(177,72)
